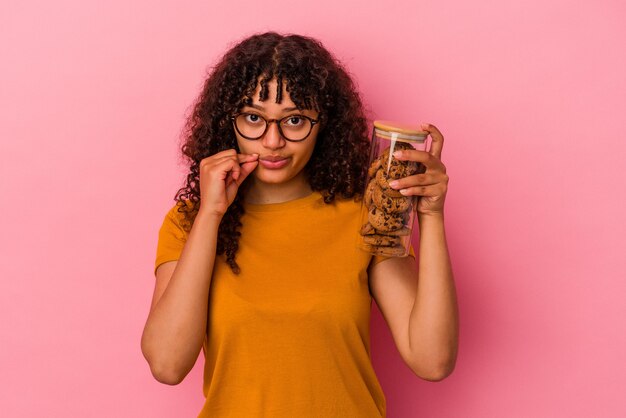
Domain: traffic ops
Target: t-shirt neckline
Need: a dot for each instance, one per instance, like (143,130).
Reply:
(290,204)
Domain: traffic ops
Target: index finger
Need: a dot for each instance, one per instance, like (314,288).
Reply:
(242,158)
(426,158)
(437,143)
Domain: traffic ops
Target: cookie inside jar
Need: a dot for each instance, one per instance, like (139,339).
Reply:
(387,216)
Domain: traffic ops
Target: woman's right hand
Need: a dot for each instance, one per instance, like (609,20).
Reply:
(221,175)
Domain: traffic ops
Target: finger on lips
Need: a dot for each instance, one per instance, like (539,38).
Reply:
(247,157)
(234,161)
(227,165)
(249,162)
(246,169)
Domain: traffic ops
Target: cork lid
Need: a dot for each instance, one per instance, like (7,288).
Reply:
(392,130)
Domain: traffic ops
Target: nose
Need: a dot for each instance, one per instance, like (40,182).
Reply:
(272,138)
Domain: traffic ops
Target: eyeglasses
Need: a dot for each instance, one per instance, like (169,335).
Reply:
(294,128)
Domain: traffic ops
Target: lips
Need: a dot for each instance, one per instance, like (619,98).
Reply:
(272,158)
(273,162)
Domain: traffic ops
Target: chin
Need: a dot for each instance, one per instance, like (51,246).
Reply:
(273,176)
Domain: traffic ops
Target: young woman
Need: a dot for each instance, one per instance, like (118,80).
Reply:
(257,263)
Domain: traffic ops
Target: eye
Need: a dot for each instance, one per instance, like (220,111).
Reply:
(294,121)
(252,118)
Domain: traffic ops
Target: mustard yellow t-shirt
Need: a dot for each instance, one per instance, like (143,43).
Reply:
(289,336)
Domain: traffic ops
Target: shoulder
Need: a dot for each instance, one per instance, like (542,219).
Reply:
(180,206)
(176,214)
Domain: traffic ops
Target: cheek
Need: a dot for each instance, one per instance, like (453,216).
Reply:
(245,147)
(308,153)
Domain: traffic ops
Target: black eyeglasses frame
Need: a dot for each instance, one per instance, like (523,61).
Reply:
(277,121)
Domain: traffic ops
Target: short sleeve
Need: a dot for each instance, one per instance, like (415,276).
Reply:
(172,238)
(378,258)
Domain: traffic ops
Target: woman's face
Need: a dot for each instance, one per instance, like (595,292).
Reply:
(280,161)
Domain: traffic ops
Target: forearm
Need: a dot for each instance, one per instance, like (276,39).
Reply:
(176,327)
(433,323)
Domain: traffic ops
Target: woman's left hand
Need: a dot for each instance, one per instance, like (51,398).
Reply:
(432,185)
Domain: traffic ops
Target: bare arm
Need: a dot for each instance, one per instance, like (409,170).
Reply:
(434,322)
(420,307)
(177,324)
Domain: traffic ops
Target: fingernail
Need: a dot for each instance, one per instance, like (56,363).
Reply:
(394,184)
(404,191)
(397,154)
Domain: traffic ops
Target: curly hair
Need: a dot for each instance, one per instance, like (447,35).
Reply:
(316,80)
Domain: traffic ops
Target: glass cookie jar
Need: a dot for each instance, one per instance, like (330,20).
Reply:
(387,216)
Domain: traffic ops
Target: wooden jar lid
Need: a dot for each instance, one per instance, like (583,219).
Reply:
(387,128)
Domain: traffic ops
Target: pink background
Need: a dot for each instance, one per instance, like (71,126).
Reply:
(530,96)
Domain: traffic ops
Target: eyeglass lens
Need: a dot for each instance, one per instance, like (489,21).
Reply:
(254,126)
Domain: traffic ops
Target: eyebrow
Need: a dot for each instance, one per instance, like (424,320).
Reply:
(287,109)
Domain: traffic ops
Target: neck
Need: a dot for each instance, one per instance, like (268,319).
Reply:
(260,193)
